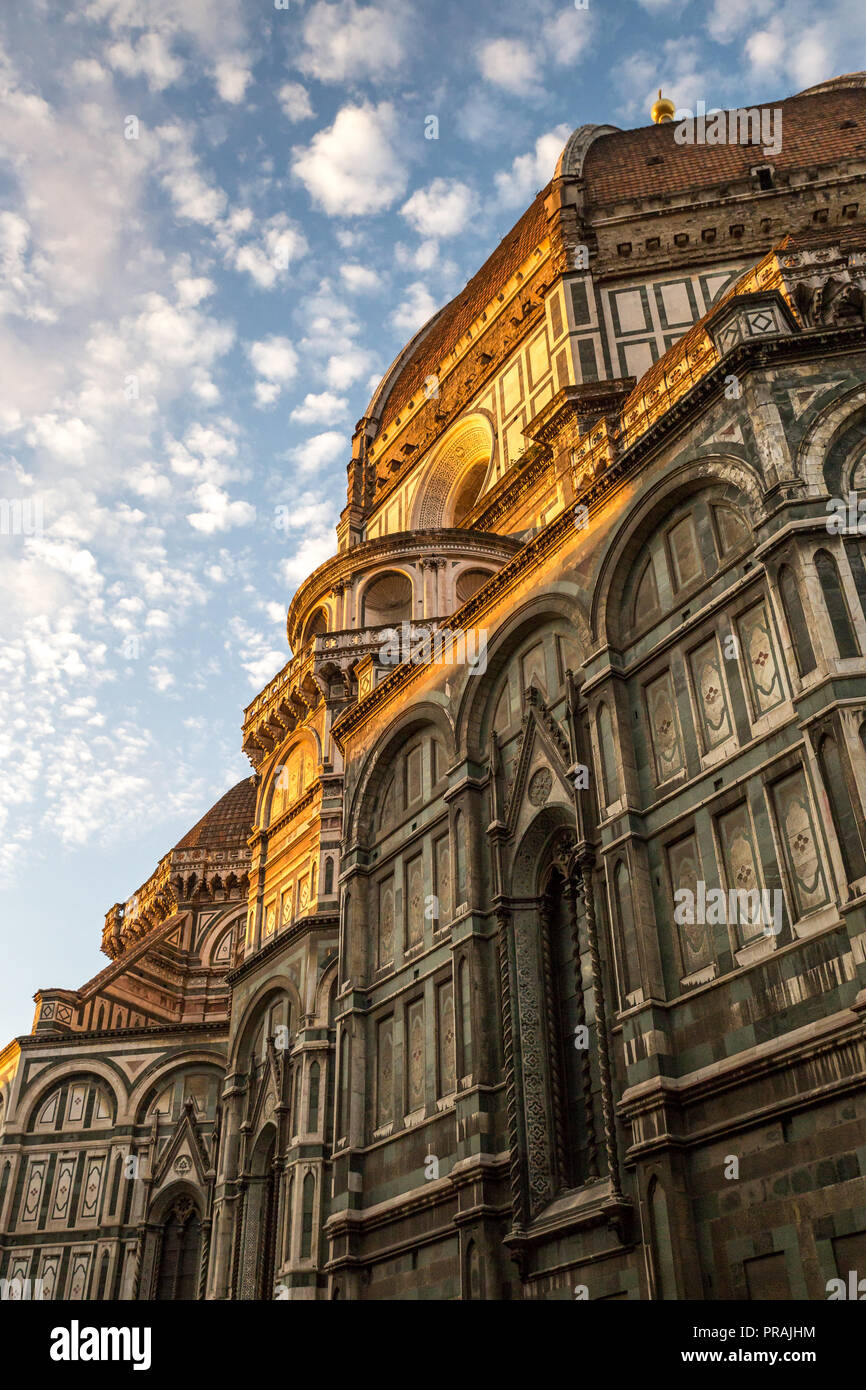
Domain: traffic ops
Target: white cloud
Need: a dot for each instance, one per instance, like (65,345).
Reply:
(569,34)
(343,369)
(295,101)
(727,18)
(258,655)
(353,168)
(232,77)
(324,409)
(424,257)
(414,311)
(765,49)
(360,279)
(510,64)
(216,512)
(347,42)
(150,58)
(191,290)
(678,69)
(68,440)
(275,362)
(280,243)
(442,209)
(313,551)
(194,198)
(320,451)
(517,186)
(516,65)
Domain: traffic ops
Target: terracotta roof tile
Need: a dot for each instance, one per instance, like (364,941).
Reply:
(228,823)
(616,167)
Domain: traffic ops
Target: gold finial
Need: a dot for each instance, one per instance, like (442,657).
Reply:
(663,109)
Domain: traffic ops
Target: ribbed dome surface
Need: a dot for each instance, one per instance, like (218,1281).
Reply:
(228,823)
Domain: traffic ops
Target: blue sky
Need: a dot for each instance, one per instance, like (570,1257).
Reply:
(191,322)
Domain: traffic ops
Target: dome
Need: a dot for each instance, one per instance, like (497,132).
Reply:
(229,822)
(822,124)
(834,84)
(434,341)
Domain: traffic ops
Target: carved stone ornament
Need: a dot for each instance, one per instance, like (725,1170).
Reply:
(540,786)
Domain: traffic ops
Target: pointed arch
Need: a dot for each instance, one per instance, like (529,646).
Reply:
(558,610)
(836,604)
(795,617)
(661,1241)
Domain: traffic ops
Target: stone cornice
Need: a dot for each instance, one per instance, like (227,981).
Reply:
(313,921)
(32,1042)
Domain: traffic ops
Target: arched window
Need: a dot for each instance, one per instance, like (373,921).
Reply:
(263,1226)
(474,1281)
(465,1019)
(565,1061)
(290,1197)
(317,625)
(296,1097)
(103,1278)
(845,821)
(180,1253)
(332,1003)
(607,754)
(329,877)
(796,620)
(460,843)
(387,601)
(309,1197)
(343,1123)
(466,494)
(646,598)
(468,583)
(4,1183)
(662,1243)
(629,959)
(313,1109)
(837,608)
(115,1182)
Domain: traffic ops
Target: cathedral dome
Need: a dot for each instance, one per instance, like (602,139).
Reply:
(228,823)
(435,340)
(822,125)
(833,84)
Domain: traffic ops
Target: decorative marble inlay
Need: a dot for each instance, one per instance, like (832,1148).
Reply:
(799,837)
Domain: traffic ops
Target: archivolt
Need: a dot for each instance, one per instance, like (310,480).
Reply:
(469,442)
(824,436)
(675,486)
(554,605)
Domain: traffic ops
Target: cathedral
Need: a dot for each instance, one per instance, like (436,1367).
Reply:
(529,961)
